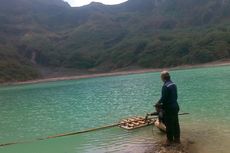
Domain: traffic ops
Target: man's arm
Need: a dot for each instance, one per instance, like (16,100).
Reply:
(164,95)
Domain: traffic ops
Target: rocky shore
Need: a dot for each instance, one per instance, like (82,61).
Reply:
(186,146)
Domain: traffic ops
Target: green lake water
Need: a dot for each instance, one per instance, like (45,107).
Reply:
(35,111)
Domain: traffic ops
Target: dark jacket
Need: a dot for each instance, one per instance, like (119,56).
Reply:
(169,96)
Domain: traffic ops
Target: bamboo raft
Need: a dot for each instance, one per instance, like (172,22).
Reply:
(136,122)
(139,122)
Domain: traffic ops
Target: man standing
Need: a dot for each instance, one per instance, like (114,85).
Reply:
(171,108)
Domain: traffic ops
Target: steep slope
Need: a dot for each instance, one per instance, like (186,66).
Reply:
(142,33)
(19,19)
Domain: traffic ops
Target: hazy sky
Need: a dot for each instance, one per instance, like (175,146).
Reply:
(85,2)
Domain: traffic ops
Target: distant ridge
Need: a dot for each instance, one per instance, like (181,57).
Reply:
(37,34)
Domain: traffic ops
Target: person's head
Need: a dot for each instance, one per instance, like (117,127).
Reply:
(165,76)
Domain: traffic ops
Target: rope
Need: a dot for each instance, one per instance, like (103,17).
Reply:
(85,131)
(65,134)
(70,134)
(61,135)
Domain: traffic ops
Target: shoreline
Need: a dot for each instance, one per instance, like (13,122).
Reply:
(186,146)
(118,73)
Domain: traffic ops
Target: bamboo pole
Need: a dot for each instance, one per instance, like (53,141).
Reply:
(73,133)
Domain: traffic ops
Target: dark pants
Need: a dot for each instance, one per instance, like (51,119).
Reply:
(172,125)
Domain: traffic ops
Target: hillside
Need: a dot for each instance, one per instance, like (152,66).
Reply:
(139,33)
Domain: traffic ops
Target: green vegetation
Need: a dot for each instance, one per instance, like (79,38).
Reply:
(142,33)
(13,67)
